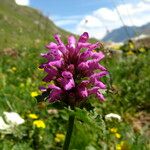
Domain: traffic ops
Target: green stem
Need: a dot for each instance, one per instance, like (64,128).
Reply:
(69,132)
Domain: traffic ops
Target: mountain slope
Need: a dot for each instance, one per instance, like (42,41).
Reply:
(21,25)
(124,33)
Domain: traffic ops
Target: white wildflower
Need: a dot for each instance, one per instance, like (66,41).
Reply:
(3,125)
(53,111)
(13,118)
(112,116)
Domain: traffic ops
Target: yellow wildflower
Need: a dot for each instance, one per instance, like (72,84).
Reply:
(57,140)
(122,143)
(59,137)
(117,135)
(142,49)
(118,147)
(130,53)
(113,130)
(13,69)
(121,146)
(131,45)
(39,124)
(33,116)
(34,94)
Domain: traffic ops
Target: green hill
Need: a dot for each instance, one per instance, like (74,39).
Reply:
(23,26)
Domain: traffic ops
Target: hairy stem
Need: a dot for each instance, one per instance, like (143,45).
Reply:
(69,132)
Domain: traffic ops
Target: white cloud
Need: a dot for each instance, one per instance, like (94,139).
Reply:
(66,20)
(146,1)
(97,22)
(104,13)
(23,2)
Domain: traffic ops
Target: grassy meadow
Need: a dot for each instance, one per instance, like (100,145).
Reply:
(128,96)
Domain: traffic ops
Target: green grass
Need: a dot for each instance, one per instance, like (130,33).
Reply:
(23,26)
(130,81)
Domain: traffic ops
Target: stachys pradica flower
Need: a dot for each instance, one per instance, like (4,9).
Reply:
(74,69)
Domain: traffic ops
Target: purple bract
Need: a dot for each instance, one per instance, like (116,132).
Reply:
(74,69)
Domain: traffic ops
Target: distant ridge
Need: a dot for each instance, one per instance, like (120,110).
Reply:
(120,35)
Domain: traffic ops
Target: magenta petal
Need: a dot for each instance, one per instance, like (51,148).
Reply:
(67,74)
(48,78)
(84,82)
(61,45)
(63,49)
(98,75)
(51,45)
(100,96)
(84,37)
(71,42)
(71,68)
(93,64)
(48,56)
(101,67)
(82,91)
(100,84)
(55,95)
(43,65)
(83,66)
(68,84)
(93,90)
(57,37)
(85,55)
(54,87)
(57,63)
(56,54)
(93,46)
(52,73)
(83,45)
(43,89)
(98,55)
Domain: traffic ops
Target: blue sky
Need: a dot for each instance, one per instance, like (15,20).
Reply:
(94,16)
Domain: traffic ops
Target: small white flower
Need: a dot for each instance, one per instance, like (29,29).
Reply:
(112,116)
(3,125)
(53,111)
(13,118)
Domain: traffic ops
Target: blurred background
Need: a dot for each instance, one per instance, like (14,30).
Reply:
(123,26)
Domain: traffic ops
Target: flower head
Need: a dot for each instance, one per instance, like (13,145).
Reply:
(122,146)
(13,118)
(74,69)
(59,137)
(14,69)
(3,125)
(34,94)
(113,116)
(33,116)
(39,124)
(113,130)
(117,135)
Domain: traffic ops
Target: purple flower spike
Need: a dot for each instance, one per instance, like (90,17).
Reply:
(74,69)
